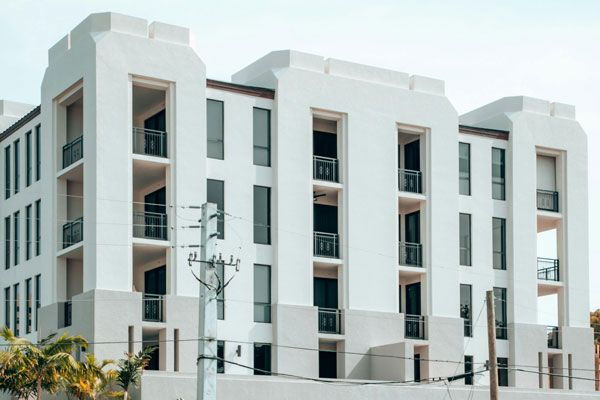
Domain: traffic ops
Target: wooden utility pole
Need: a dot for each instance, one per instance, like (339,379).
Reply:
(491,329)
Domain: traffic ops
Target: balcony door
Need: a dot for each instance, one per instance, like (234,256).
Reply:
(324,144)
(413,299)
(154,214)
(326,298)
(412,156)
(155,281)
(412,227)
(325,218)
(156,122)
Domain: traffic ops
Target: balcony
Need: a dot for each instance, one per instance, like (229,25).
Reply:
(553,337)
(152,307)
(330,320)
(149,225)
(414,326)
(547,269)
(326,245)
(547,200)
(410,254)
(72,152)
(72,232)
(149,142)
(326,169)
(409,181)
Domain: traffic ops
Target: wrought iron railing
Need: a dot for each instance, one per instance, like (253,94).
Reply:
(326,169)
(150,225)
(409,181)
(326,245)
(149,142)
(330,320)
(152,307)
(72,232)
(548,269)
(553,333)
(410,254)
(547,200)
(414,326)
(72,151)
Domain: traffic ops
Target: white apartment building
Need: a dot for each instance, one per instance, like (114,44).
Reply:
(369,218)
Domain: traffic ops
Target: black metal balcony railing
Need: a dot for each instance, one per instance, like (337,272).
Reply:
(409,181)
(72,232)
(547,200)
(410,254)
(548,269)
(67,314)
(326,169)
(330,320)
(152,307)
(72,151)
(150,225)
(414,326)
(553,337)
(149,142)
(501,330)
(326,245)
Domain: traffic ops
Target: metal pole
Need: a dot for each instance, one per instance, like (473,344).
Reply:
(207,317)
(491,330)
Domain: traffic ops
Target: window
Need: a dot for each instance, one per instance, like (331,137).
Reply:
(468,369)
(16,226)
(499,242)
(502,371)
(221,357)
(262,359)
(28,304)
(7,242)
(38,161)
(38,232)
(7,307)
(262,215)
(498,191)
(262,136)
(38,300)
(16,309)
(465,239)
(7,172)
(17,167)
(464,169)
(262,293)
(466,311)
(215,193)
(28,155)
(214,129)
(221,296)
(28,232)
(500,311)
(328,364)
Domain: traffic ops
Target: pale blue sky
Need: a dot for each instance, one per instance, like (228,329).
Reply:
(547,49)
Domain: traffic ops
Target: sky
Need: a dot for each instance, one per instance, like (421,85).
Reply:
(483,50)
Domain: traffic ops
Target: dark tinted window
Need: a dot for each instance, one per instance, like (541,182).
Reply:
(466,312)
(465,239)
(215,193)
(499,242)
(214,129)
(262,137)
(464,168)
(498,189)
(262,293)
(262,215)
(262,359)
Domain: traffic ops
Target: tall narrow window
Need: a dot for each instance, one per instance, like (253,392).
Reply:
(466,311)
(28,161)
(38,150)
(7,243)
(16,309)
(502,371)
(28,232)
(262,215)
(38,231)
(262,293)
(468,370)
(17,171)
(7,172)
(221,296)
(221,357)
(16,239)
(498,174)
(262,359)
(215,193)
(28,306)
(7,307)
(500,311)
(38,298)
(215,129)
(262,136)
(465,239)
(464,168)
(499,242)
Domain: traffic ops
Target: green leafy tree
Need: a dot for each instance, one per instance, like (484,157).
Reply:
(595,323)
(91,380)
(130,368)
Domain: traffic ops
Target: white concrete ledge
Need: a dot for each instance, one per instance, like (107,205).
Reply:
(169,33)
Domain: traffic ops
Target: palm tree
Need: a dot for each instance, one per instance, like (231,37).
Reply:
(90,380)
(38,367)
(130,368)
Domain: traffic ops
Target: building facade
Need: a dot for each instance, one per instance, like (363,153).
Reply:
(369,218)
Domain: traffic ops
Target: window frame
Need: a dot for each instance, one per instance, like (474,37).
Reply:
(28,306)
(7,308)
(28,161)
(468,322)
(17,166)
(264,305)
(222,139)
(254,136)
(468,250)
(38,233)
(7,172)
(28,210)
(468,172)
(499,181)
(500,296)
(16,238)
(16,310)
(7,242)
(38,297)
(268,360)
(220,207)
(258,227)
(38,151)
(502,250)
